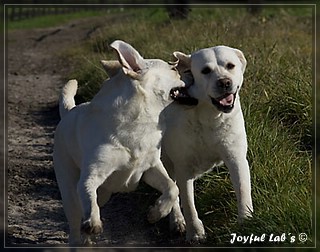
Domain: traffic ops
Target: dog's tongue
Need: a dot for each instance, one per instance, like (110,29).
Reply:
(227,101)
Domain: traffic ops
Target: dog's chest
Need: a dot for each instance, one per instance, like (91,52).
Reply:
(203,149)
(204,142)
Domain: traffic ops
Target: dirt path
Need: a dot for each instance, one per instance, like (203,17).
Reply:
(35,214)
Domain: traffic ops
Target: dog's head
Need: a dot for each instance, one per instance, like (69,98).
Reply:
(150,76)
(212,75)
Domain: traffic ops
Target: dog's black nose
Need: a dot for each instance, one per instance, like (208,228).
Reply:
(224,83)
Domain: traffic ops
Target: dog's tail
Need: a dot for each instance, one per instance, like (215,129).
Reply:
(67,101)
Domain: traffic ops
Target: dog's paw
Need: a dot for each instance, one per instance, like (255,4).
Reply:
(196,234)
(244,216)
(178,226)
(159,211)
(87,240)
(89,227)
(196,239)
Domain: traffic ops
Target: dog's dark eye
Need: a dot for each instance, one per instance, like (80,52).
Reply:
(206,70)
(230,66)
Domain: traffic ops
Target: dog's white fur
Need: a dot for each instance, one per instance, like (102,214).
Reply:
(200,137)
(109,144)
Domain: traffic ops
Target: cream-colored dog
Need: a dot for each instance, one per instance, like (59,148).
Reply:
(109,144)
(208,133)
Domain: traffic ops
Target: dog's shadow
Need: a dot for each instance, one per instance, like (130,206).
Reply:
(48,118)
(125,221)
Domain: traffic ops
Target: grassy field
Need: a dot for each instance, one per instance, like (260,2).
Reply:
(276,100)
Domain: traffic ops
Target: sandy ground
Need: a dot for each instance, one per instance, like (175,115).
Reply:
(35,215)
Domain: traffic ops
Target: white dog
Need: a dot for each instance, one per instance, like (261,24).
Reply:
(109,144)
(208,133)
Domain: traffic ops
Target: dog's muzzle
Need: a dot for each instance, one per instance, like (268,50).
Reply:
(225,103)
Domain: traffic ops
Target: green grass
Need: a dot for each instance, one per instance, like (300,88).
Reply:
(53,19)
(276,100)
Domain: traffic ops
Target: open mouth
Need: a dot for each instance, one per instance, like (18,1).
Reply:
(224,103)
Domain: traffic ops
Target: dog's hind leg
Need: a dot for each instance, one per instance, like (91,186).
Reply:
(92,176)
(67,175)
(158,178)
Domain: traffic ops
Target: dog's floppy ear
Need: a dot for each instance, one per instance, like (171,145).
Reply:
(180,94)
(131,61)
(242,59)
(112,67)
(183,61)
(184,67)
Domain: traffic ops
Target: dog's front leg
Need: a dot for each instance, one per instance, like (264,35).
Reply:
(158,178)
(240,177)
(194,226)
